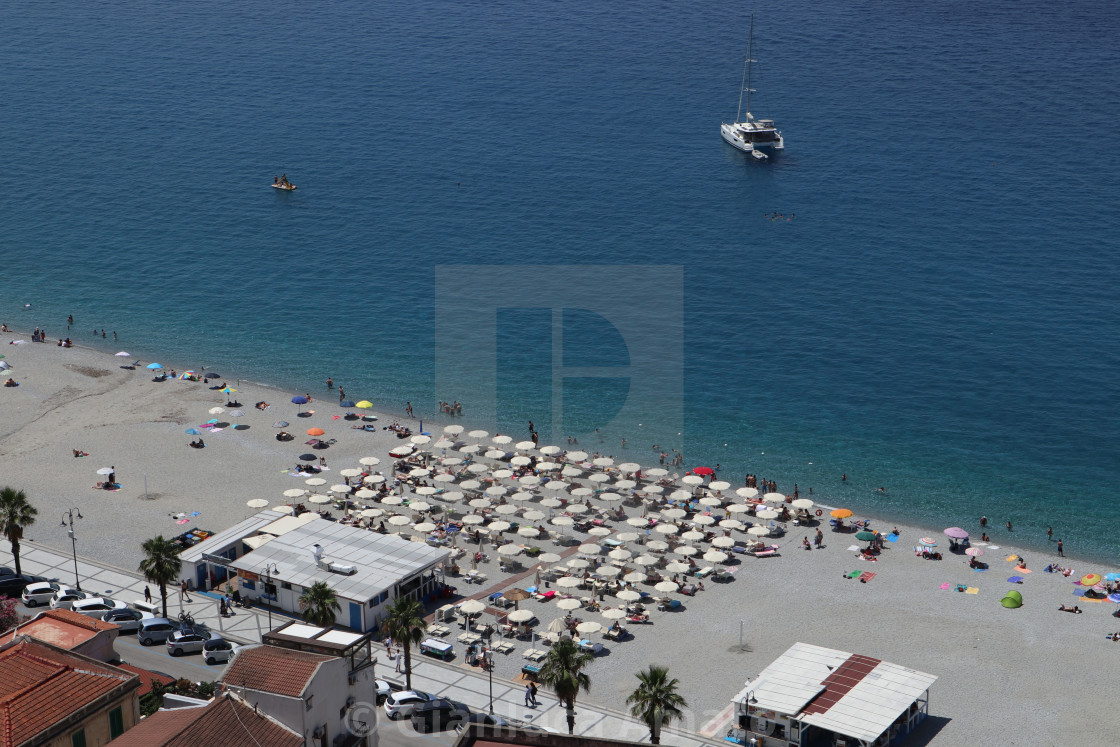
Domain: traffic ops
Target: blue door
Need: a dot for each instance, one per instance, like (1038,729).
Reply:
(355,616)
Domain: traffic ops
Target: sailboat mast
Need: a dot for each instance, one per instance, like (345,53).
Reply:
(749,66)
(742,83)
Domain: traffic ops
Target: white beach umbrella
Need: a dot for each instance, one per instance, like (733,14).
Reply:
(767,514)
(399,521)
(319,499)
(569,582)
(510,549)
(673,513)
(731,524)
(627,537)
(677,567)
(520,461)
(590,548)
(532,515)
(340,488)
(315,481)
(551,502)
(723,542)
(570,471)
(634,577)
(738,508)
(609,497)
(520,616)
(577,455)
(256,503)
(608,571)
(365,494)
(704,520)
(758,531)
(501,440)
(629,595)
(562,521)
(470,485)
(496,491)
(372,513)
(502,474)
(692,480)
(665,586)
(599,531)
(370,461)
(529,480)
(747,493)
(549,557)
(692,536)
(624,484)
(628,467)
(529,532)
(453,430)
(373,479)
(657,472)
(613,614)
(451,496)
(581,492)
(547,467)
(473,519)
(472,607)
(685,551)
(469,449)
(657,546)
(521,496)
(578,564)
(424,527)
(498,525)
(637,521)
(570,604)
(217,410)
(350,472)
(293,493)
(620,554)
(577,508)
(478,434)
(710,501)
(479,503)
(450,461)
(420,439)
(420,506)
(392,500)
(284,509)
(506,509)
(555,485)
(774,498)
(719,485)
(599,477)
(524,445)
(603,462)
(444,477)
(444,443)
(653,489)
(550,450)
(715,556)
(495,454)
(681,495)
(802,503)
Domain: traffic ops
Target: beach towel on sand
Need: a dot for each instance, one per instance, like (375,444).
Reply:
(866,576)
(853,574)
(1021,569)
(1009,558)
(1015,580)
(972,590)
(945,586)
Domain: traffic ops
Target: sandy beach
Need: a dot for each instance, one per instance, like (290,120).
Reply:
(1029,676)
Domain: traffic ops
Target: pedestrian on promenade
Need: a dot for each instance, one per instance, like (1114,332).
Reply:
(528,696)
(147,594)
(400,660)
(184,594)
(533,693)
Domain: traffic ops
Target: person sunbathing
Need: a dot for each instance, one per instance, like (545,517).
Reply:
(1074,609)
(80,453)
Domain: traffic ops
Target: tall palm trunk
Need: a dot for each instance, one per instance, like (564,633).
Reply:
(407,666)
(163,594)
(15,553)
(570,708)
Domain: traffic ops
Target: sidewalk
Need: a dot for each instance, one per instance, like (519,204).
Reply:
(473,688)
(245,626)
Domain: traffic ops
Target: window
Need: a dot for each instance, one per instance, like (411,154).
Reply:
(78,738)
(116,723)
(309,699)
(285,585)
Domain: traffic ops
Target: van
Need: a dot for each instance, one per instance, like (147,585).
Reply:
(155,630)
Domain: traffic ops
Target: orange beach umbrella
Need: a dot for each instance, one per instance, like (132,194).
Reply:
(315,431)
(841,513)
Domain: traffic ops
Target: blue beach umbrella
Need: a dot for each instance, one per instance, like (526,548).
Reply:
(1112,577)
(346,403)
(194,432)
(299,399)
(155,366)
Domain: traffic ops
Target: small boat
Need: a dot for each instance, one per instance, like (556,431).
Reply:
(285,187)
(749,134)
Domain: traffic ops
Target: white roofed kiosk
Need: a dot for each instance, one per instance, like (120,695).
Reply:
(814,696)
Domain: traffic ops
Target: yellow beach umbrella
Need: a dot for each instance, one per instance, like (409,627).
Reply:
(841,513)
(365,404)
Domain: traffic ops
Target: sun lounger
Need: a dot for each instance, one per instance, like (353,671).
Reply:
(765,553)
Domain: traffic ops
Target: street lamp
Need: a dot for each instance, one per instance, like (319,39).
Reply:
(68,516)
(269,569)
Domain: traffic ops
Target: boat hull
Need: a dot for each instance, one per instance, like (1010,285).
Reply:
(289,188)
(731,136)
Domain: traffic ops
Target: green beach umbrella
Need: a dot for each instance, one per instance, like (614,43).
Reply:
(865,536)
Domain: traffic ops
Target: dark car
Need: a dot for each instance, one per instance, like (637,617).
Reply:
(13,586)
(439,714)
(499,722)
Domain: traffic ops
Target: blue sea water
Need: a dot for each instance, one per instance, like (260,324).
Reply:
(940,319)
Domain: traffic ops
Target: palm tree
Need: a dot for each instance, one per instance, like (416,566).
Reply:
(319,603)
(161,564)
(406,626)
(563,672)
(656,702)
(16,514)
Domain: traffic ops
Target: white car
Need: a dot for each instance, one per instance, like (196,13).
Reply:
(218,651)
(401,705)
(65,597)
(96,606)
(40,592)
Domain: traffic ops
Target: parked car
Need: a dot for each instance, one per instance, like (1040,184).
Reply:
(400,705)
(96,606)
(495,721)
(385,689)
(65,597)
(40,592)
(13,586)
(187,641)
(218,651)
(438,714)
(126,619)
(155,630)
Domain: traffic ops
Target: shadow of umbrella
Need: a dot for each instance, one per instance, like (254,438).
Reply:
(308,458)
(240,427)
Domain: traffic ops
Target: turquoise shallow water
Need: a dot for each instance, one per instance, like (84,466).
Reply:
(940,319)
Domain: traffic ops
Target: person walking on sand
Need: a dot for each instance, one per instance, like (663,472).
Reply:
(1061,553)
(819,539)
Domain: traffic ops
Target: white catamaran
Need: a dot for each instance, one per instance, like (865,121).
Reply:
(750,134)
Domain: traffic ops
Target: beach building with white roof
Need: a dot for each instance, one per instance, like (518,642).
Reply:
(815,696)
(276,557)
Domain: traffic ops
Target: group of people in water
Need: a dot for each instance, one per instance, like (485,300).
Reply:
(282,182)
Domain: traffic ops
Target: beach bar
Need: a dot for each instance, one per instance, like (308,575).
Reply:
(820,697)
(274,558)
